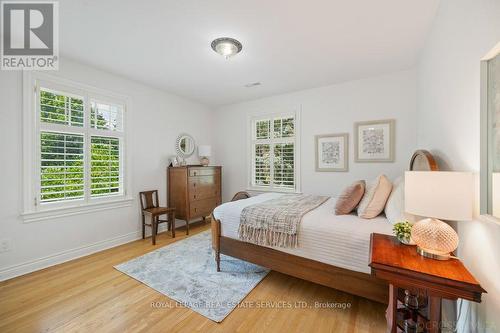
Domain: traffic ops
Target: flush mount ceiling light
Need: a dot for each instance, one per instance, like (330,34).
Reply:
(226,46)
(253,84)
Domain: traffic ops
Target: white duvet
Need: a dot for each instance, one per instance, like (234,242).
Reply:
(339,240)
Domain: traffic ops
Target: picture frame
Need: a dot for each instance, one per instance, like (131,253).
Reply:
(374,141)
(332,152)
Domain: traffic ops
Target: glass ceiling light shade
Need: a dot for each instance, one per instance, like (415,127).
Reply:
(226,46)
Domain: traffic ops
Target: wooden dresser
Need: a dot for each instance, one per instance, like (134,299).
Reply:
(194,191)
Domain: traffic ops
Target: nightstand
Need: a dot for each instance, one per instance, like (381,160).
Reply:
(417,284)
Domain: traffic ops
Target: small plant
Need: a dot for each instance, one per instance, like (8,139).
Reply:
(402,230)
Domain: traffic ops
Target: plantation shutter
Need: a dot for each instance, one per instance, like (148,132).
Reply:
(105,175)
(273,153)
(61,167)
(80,154)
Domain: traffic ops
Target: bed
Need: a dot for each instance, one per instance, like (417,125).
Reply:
(333,249)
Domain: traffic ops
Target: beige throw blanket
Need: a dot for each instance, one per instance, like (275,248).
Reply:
(276,222)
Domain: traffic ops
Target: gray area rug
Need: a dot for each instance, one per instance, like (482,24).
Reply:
(185,271)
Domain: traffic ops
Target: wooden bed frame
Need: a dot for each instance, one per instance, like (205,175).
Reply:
(356,283)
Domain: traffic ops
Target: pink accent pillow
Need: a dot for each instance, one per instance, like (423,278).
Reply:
(376,195)
(349,199)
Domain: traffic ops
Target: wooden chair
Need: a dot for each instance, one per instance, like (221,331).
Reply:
(150,207)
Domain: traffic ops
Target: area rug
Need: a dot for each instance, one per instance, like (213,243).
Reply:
(185,271)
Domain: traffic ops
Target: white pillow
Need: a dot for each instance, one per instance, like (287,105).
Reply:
(395,207)
(376,194)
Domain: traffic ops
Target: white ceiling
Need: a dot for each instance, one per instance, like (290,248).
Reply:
(287,44)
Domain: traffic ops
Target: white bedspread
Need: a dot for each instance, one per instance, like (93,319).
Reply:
(339,240)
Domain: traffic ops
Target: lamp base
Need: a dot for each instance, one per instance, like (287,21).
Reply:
(433,255)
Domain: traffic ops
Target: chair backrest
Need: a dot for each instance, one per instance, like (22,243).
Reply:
(149,199)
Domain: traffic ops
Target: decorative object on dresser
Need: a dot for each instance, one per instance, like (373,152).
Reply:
(438,195)
(150,207)
(184,146)
(204,152)
(417,285)
(194,191)
(374,141)
(332,152)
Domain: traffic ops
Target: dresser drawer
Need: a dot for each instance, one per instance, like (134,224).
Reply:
(203,207)
(203,193)
(203,182)
(203,171)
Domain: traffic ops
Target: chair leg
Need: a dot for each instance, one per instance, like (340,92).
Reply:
(217,259)
(172,223)
(157,223)
(143,226)
(187,227)
(153,229)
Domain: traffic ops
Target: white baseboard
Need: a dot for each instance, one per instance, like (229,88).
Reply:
(64,256)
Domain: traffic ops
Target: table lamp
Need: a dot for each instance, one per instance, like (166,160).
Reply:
(204,153)
(438,195)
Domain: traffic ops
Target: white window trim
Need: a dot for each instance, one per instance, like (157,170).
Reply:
(32,209)
(251,118)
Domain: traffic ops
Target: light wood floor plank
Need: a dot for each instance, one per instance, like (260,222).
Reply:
(89,295)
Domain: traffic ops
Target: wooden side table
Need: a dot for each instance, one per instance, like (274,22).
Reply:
(417,284)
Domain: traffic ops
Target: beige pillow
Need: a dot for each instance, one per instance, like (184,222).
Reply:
(395,206)
(376,194)
(350,198)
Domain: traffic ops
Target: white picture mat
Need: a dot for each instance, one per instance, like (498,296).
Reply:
(332,152)
(375,141)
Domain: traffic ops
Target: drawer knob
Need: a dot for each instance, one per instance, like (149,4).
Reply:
(194,196)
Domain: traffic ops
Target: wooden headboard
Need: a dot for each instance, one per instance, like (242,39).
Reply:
(422,160)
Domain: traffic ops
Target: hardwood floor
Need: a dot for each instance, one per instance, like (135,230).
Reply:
(89,295)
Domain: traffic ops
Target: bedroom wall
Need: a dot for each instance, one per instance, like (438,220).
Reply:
(330,109)
(448,124)
(156,120)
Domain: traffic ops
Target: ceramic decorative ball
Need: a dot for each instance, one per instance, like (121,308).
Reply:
(434,236)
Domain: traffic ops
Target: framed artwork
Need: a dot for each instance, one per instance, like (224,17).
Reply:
(374,141)
(332,152)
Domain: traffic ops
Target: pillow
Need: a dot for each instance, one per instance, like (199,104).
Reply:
(394,209)
(395,206)
(350,198)
(376,194)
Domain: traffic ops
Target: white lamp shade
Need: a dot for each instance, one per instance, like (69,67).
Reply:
(204,151)
(495,194)
(439,194)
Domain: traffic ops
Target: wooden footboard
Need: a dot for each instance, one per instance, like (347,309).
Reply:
(355,283)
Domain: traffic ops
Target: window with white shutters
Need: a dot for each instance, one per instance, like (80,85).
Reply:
(61,166)
(105,175)
(80,149)
(274,155)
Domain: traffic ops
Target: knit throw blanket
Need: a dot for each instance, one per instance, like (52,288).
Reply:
(276,222)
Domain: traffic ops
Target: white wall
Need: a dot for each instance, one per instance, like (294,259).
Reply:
(156,118)
(330,109)
(448,124)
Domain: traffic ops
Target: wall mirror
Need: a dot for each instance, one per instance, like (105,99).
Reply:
(184,145)
(490,134)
